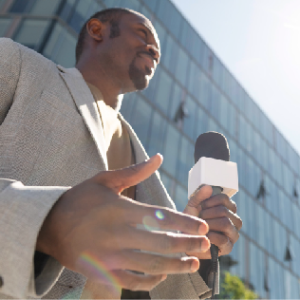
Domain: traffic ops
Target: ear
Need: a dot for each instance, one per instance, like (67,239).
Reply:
(95,28)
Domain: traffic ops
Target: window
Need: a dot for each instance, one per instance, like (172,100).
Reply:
(162,34)
(163,91)
(4,25)
(275,281)
(204,99)
(280,144)
(61,47)
(170,16)
(296,218)
(131,4)
(177,98)
(267,129)
(269,231)
(182,66)
(194,81)
(251,217)
(152,4)
(257,269)
(272,196)
(2,2)
(167,182)
(180,198)
(31,32)
(295,248)
(232,120)
(189,124)
(198,47)
(148,14)
(150,91)
(261,234)
(202,122)
(249,108)
(212,125)
(253,177)
(157,134)
(186,35)
(183,166)
(292,158)
(285,210)
(223,112)
(256,146)
(44,7)
(128,104)
(21,6)
(68,7)
(288,180)
(169,55)
(170,152)
(241,166)
(214,107)
(83,10)
(217,71)
(291,286)
(140,120)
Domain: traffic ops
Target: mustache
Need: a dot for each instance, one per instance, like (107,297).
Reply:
(147,53)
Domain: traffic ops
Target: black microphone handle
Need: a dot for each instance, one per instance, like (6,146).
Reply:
(214,250)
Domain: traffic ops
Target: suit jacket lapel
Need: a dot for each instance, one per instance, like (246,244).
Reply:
(86,105)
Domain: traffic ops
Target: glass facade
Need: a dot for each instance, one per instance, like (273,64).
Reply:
(191,78)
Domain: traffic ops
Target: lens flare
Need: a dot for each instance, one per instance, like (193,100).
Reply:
(93,264)
(159,215)
(150,223)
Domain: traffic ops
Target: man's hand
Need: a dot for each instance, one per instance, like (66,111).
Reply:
(92,229)
(220,214)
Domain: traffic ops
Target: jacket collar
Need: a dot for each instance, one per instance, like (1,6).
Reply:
(86,105)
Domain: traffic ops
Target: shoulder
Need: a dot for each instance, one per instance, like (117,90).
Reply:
(8,48)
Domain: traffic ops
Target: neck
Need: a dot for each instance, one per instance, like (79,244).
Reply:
(111,92)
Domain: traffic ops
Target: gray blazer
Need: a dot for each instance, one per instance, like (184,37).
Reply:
(51,138)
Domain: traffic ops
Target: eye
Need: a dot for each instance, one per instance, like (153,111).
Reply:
(144,32)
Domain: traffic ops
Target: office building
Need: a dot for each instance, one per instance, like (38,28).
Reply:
(191,93)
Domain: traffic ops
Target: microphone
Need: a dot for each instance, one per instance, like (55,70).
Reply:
(212,167)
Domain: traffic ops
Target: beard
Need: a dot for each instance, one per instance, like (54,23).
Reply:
(137,76)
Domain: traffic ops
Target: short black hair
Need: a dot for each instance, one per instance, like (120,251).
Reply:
(111,15)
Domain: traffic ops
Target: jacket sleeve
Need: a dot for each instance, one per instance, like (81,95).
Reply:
(22,208)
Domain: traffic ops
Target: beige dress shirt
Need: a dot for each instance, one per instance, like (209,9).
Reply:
(119,155)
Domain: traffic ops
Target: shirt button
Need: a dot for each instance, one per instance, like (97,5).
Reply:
(1,282)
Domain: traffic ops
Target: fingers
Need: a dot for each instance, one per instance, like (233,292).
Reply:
(137,282)
(224,243)
(164,218)
(155,264)
(221,211)
(220,199)
(119,180)
(193,207)
(165,242)
(225,226)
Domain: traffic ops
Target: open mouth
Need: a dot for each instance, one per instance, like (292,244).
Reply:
(150,64)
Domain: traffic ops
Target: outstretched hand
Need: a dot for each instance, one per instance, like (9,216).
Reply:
(92,225)
(220,214)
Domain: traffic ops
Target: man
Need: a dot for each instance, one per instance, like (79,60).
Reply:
(61,128)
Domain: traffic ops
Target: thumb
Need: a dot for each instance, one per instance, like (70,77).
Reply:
(194,205)
(119,180)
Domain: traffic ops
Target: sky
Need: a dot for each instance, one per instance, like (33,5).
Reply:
(259,43)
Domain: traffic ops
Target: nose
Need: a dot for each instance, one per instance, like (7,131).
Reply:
(154,51)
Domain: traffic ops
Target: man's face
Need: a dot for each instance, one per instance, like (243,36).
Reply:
(136,51)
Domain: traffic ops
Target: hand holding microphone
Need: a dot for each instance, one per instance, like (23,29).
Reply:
(206,201)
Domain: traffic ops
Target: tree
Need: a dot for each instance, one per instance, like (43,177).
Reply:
(234,288)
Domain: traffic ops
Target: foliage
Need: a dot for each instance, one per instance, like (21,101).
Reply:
(234,288)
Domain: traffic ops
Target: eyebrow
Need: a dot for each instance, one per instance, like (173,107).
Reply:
(150,29)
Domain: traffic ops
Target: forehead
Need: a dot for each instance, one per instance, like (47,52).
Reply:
(138,19)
